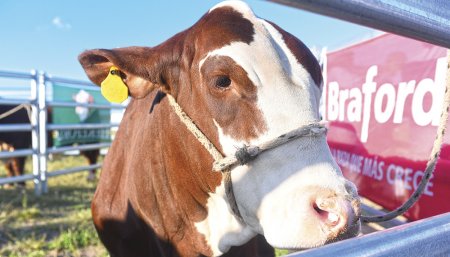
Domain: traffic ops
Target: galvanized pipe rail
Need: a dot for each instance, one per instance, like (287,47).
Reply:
(16,153)
(428,237)
(15,127)
(73,170)
(73,82)
(83,147)
(18,75)
(17,179)
(97,106)
(4,101)
(427,21)
(81,126)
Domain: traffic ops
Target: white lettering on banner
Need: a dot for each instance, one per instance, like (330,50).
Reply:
(404,89)
(403,179)
(333,101)
(354,106)
(373,168)
(385,91)
(388,100)
(368,89)
(420,116)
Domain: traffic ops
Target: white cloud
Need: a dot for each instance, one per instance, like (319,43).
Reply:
(60,24)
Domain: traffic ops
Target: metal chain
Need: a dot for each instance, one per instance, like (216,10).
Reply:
(431,164)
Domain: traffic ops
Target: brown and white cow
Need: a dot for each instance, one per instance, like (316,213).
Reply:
(242,80)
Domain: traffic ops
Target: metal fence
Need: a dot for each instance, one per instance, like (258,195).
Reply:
(428,237)
(38,127)
(427,21)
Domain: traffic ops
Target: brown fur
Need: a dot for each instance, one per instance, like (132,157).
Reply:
(156,177)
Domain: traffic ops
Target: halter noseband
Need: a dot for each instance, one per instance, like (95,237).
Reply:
(248,153)
(242,155)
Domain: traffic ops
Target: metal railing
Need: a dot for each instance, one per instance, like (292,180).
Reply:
(427,21)
(427,237)
(38,127)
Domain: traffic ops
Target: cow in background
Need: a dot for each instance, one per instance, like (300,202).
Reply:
(83,97)
(10,141)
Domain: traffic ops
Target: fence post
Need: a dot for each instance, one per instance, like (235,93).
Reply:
(34,121)
(42,107)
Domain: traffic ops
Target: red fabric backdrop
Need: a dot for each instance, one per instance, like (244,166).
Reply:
(383,99)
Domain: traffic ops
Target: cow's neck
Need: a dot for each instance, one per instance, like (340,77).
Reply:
(191,198)
(220,227)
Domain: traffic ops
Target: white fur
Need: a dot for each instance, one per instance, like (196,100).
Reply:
(269,63)
(271,190)
(237,5)
(221,229)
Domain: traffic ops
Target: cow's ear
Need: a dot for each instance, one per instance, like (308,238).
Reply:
(141,68)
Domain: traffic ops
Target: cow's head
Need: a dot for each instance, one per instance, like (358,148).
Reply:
(244,80)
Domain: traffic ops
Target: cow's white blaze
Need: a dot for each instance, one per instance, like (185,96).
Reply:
(276,191)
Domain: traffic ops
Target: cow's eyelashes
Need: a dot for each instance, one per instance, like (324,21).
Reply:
(222,82)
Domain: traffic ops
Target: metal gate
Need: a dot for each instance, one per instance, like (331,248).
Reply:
(38,103)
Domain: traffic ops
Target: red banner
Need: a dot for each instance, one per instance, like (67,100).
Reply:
(383,99)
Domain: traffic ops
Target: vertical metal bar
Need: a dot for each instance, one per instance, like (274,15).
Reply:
(42,132)
(34,120)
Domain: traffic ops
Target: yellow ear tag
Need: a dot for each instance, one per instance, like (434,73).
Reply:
(113,88)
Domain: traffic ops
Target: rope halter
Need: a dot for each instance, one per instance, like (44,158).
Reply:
(247,153)
(244,154)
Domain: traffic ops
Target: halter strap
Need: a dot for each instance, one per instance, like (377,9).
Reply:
(247,153)
(213,151)
(244,154)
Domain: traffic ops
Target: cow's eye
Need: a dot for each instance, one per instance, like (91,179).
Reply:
(223,82)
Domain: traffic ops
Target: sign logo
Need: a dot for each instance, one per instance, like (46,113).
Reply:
(83,97)
(355,104)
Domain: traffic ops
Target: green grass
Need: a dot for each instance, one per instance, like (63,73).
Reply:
(279,252)
(56,224)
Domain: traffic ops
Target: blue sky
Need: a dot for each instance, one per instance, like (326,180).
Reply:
(49,35)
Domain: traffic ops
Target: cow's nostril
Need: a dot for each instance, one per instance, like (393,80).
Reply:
(326,214)
(318,210)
